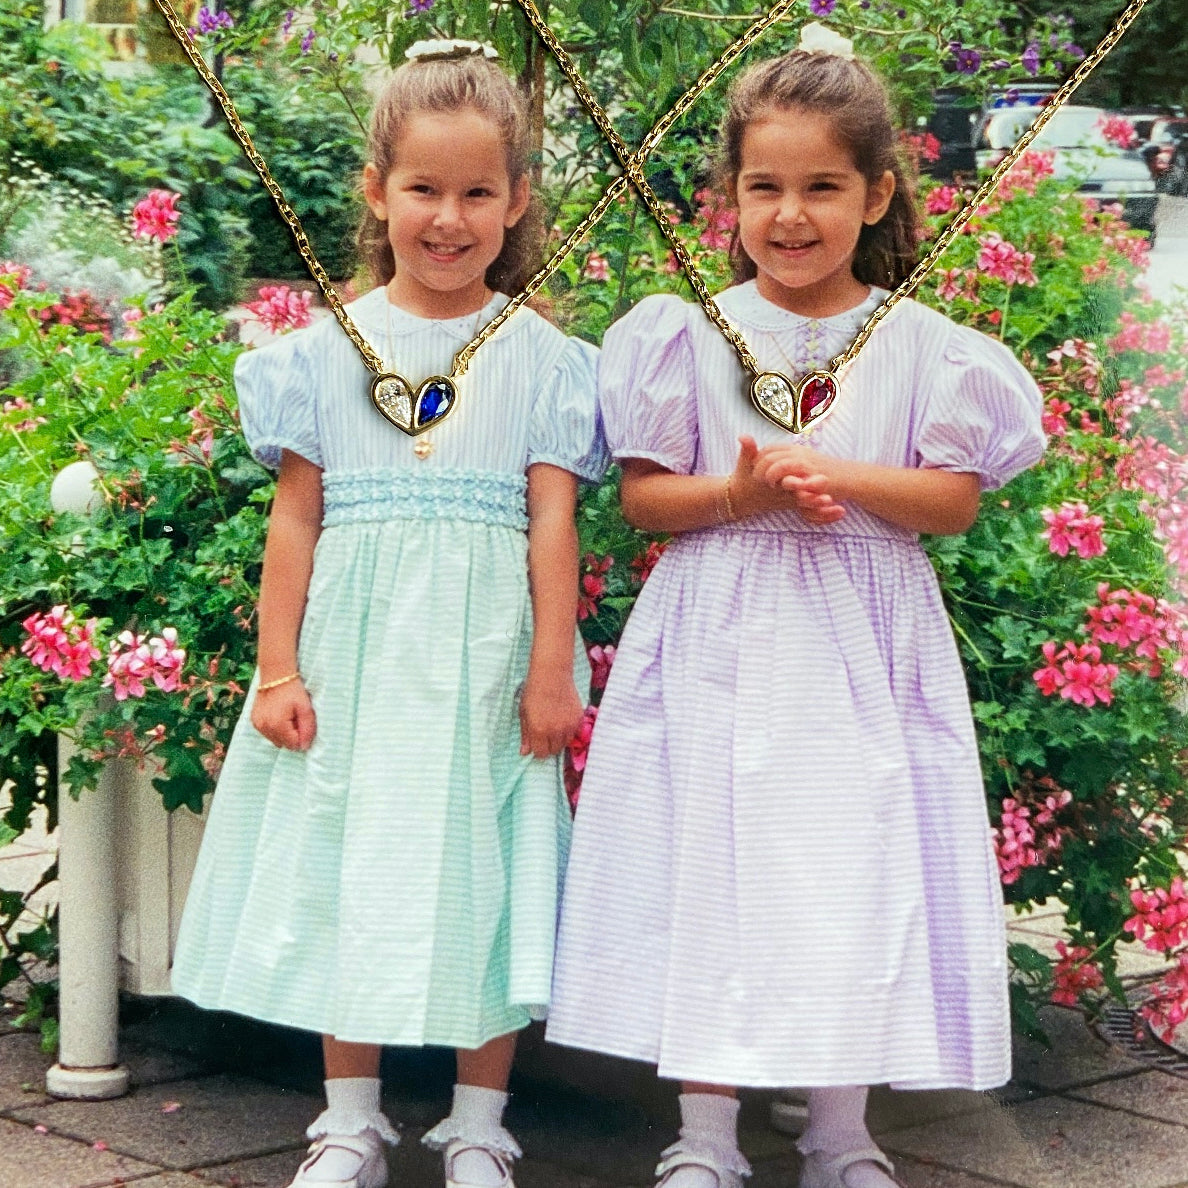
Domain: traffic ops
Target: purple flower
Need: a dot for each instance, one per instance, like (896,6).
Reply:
(1031,59)
(1053,40)
(287,23)
(307,40)
(210,22)
(822,7)
(1074,51)
(418,7)
(864,4)
(1000,64)
(1012,96)
(901,13)
(966,61)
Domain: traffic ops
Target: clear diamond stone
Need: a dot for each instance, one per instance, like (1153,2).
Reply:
(775,395)
(395,400)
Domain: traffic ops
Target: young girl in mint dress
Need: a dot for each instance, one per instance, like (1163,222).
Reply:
(384,849)
(782,871)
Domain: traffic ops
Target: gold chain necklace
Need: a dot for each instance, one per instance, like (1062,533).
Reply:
(793,405)
(416,411)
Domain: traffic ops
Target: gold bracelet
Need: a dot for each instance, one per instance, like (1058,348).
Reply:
(293,676)
(730,512)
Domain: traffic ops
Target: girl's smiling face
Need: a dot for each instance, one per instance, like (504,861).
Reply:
(802,203)
(447,202)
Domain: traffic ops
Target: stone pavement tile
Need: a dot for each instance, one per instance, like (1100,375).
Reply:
(889,1109)
(1153,1094)
(23,1066)
(1078,1055)
(265,1171)
(33,1160)
(22,1070)
(220,1118)
(148,1065)
(1053,1143)
(912,1173)
(615,1141)
(167,1180)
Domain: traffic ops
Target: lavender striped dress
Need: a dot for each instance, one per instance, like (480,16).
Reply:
(782,871)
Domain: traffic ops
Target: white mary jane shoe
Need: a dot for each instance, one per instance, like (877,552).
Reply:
(373,1168)
(500,1158)
(681,1154)
(821,1170)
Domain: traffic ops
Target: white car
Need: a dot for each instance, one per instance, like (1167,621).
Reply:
(1109,173)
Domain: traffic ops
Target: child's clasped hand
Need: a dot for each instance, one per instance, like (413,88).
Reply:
(784,477)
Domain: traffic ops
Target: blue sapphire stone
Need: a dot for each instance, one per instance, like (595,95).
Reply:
(435,403)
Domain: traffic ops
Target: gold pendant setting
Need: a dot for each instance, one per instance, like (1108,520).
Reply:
(393,396)
(794,406)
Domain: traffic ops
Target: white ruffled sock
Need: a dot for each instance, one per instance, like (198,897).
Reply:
(477,1113)
(709,1123)
(352,1108)
(836,1124)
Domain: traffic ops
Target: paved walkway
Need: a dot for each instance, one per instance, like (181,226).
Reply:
(219,1100)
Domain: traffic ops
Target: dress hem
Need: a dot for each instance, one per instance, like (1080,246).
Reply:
(518,1019)
(898,1080)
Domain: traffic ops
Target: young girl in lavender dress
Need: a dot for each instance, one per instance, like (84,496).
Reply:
(782,871)
(384,851)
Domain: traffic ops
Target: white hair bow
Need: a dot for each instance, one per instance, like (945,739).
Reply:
(444,48)
(815,38)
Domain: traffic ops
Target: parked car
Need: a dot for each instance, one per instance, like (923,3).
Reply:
(956,119)
(1074,135)
(1166,154)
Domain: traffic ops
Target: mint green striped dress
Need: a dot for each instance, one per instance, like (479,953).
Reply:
(398,882)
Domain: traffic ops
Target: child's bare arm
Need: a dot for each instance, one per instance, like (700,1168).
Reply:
(285,715)
(939,502)
(550,709)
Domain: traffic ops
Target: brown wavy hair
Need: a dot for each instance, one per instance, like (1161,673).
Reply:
(855,100)
(455,84)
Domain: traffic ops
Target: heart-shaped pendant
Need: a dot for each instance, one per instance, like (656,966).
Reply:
(795,410)
(434,400)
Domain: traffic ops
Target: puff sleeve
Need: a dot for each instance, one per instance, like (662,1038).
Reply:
(646,385)
(277,410)
(983,413)
(565,428)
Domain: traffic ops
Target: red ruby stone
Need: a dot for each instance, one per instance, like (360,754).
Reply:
(816,396)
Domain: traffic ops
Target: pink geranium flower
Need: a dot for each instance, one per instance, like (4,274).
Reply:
(1167,1008)
(597,268)
(1072,528)
(1074,974)
(942,200)
(1005,262)
(1118,130)
(57,642)
(156,215)
(1077,673)
(134,660)
(1160,918)
(601,659)
(281,308)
